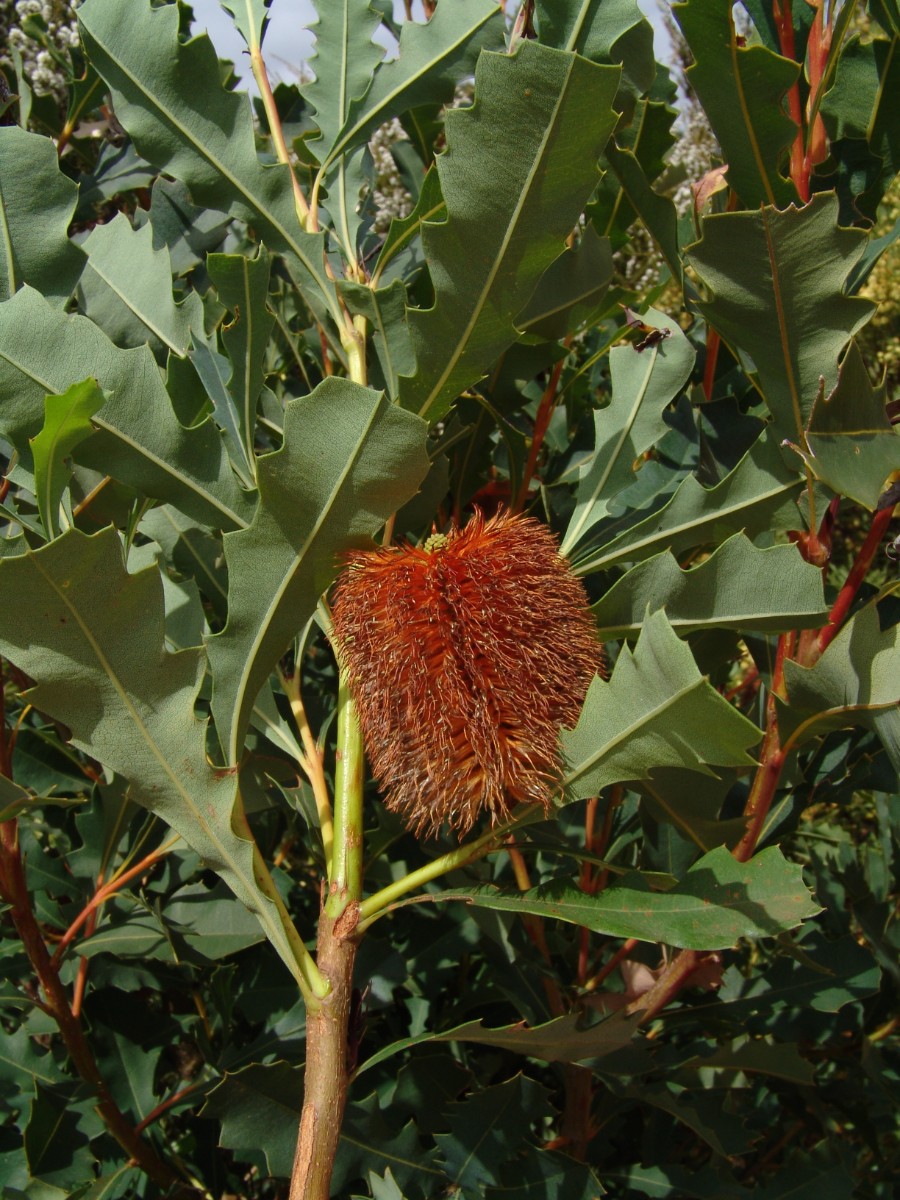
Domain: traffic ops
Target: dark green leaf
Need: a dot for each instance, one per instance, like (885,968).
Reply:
(259,1108)
(156,80)
(431,60)
(644,384)
(92,637)
(855,682)
(746,499)
(127,290)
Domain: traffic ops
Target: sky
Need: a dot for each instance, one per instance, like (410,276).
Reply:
(289,40)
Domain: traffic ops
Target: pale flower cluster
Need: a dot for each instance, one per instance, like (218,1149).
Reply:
(41,69)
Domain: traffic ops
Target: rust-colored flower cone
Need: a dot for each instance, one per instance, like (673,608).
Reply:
(465,657)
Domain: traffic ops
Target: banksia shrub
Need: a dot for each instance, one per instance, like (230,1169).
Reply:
(465,657)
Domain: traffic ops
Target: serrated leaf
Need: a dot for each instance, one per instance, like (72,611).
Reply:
(746,499)
(563,1039)
(644,384)
(127,289)
(259,1108)
(519,167)
(155,80)
(604,32)
(487,1129)
(67,422)
(719,901)
(370,1143)
(56,1148)
(548,1175)
(385,310)
(738,587)
(243,286)
(36,246)
(250,18)
(853,447)
(656,710)
(431,59)
(92,637)
(571,288)
(781,298)
(139,439)
(743,101)
(344,65)
(831,975)
(348,461)
(855,682)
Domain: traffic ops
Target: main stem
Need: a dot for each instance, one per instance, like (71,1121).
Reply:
(329,1054)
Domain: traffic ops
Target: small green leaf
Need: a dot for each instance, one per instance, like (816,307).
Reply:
(519,167)
(34,236)
(775,283)
(571,289)
(738,587)
(657,710)
(719,901)
(853,447)
(66,424)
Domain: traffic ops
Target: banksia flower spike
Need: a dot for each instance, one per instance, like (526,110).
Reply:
(465,657)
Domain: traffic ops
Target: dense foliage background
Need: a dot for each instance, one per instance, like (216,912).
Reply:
(216,377)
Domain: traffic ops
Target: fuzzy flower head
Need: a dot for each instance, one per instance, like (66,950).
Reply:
(465,657)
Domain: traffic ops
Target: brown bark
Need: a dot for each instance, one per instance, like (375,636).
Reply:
(328,1063)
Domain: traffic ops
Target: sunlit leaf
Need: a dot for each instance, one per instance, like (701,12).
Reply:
(510,206)
(738,587)
(656,710)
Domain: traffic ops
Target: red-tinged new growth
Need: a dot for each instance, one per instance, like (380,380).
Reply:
(465,657)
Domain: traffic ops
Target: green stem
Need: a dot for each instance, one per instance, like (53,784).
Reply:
(376,906)
(345,887)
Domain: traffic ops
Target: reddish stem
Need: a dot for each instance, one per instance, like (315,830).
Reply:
(785,23)
(101,895)
(607,969)
(847,594)
(160,1109)
(713,342)
(541,425)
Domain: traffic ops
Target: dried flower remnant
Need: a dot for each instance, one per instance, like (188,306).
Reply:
(465,657)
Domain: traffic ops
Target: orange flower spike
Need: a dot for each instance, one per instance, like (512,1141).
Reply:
(465,657)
